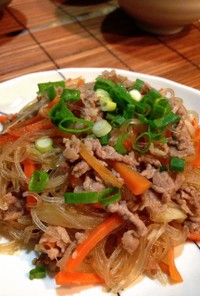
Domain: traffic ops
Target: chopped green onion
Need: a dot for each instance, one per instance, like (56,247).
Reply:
(109,195)
(101,128)
(105,197)
(50,88)
(51,92)
(119,145)
(39,272)
(117,92)
(106,102)
(129,111)
(59,112)
(44,145)
(138,84)
(177,164)
(84,197)
(65,124)
(118,121)
(70,95)
(136,95)
(165,120)
(38,181)
(143,142)
(105,139)
(160,108)
(163,168)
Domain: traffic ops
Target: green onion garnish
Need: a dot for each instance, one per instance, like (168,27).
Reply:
(177,164)
(119,144)
(118,121)
(85,197)
(143,142)
(59,112)
(109,195)
(138,84)
(70,95)
(105,139)
(39,272)
(38,181)
(44,145)
(101,128)
(105,197)
(65,125)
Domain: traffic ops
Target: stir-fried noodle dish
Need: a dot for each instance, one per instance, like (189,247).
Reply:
(102,180)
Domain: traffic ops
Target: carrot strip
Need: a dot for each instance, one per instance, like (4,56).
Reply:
(91,241)
(7,138)
(39,125)
(77,278)
(136,182)
(128,143)
(3,119)
(173,271)
(27,122)
(52,103)
(164,267)
(194,236)
(105,174)
(29,168)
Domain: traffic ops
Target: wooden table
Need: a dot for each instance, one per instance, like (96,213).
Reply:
(38,35)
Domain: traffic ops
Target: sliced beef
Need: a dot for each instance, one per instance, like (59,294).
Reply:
(131,200)
(54,242)
(139,228)
(149,171)
(129,241)
(163,183)
(91,110)
(72,148)
(90,184)
(152,202)
(108,152)
(80,168)
(149,159)
(13,207)
(159,150)
(181,144)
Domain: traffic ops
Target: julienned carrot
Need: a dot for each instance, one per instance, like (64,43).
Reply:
(196,140)
(135,182)
(194,236)
(3,118)
(196,162)
(52,103)
(77,278)
(39,125)
(7,138)
(29,168)
(91,241)
(27,122)
(164,267)
(105,174)
(128,142)
(173,271)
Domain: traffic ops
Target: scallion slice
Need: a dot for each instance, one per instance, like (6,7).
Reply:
(38,181)
(143,142)
(44,145)
(101,128)
(177,164)
(83,197)
(39,272)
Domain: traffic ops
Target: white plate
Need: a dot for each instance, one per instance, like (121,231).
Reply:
(14,281)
